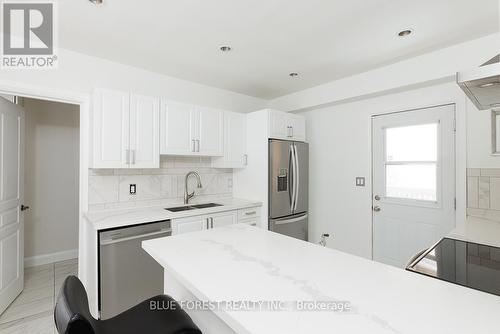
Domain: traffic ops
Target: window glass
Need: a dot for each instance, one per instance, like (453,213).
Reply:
(412,143)
(412,181)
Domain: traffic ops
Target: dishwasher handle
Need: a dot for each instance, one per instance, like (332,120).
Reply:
(145,235)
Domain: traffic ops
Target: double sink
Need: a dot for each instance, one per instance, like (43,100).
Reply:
(193,207)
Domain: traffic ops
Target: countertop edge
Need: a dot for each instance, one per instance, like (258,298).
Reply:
(108,219)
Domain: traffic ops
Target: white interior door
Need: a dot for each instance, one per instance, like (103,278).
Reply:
(413,182)
(11,198)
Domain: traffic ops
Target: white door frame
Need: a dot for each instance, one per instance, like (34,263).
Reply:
(83,100)
(460,153)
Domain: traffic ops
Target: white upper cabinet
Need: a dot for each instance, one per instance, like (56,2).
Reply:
(110,124)
(298,127)
(190,130)
(286,126)
(144,131)
(235,142)
(176,130)
(209,131)
(278,125)
(125,130)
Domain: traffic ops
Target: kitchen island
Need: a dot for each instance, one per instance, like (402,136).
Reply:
(247,267)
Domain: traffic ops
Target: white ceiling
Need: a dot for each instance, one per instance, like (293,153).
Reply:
(323,40)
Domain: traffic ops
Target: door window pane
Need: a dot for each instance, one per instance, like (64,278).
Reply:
(412,143)
(412,181)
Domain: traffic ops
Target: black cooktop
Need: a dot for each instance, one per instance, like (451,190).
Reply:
(465,263)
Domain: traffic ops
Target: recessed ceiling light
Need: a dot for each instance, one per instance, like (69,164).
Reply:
(293,74)
(405,33)
(489,84)
(96,2)
(225,48)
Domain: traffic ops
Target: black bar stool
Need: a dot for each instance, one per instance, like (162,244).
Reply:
(72,315)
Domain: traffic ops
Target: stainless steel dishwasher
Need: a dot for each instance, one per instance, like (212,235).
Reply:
(127,274)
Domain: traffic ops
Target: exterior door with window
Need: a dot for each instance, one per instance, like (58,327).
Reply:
(413,181)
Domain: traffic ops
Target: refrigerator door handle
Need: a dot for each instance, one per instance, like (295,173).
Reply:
(297,178)
(289,221)
(293,178)
(290,184)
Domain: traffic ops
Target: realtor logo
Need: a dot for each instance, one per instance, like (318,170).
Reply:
(28,35)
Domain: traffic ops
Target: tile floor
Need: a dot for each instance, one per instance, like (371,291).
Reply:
(32,311)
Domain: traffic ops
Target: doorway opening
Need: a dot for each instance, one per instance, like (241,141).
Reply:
(413,199)
(46,203)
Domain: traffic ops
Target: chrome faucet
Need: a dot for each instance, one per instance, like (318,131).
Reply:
(188,195)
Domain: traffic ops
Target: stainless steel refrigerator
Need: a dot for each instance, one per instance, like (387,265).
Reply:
(288,188)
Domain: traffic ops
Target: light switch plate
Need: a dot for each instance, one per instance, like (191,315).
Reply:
(360,181)
(133,189)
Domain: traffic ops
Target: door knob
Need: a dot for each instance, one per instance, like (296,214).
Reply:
(377,197)
(24,208)
(376,208)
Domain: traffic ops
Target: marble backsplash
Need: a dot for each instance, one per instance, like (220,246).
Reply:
(483,193)
(109,188)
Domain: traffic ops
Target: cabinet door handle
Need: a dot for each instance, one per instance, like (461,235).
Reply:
(197,145)
(212,222)
(250,213)
(291,131)
(133,157)
(193,149)
(245,156)
(207,223)
(127,157)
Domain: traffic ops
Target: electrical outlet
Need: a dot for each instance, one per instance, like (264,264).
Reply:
(133,189)
(360,181)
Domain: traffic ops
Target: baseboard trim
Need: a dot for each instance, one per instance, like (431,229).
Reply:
(39,260)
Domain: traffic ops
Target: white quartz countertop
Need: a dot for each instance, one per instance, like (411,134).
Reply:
(240,263)
(105,219)
(478,230)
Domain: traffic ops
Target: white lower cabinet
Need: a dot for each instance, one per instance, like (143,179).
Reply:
(251,222)
(189,224)
(223,219)
(198,223)
(206,222)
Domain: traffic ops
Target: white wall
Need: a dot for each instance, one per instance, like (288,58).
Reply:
(51,177)
(340,150)
(79,73)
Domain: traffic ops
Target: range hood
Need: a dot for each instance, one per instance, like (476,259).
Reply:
(482,85)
